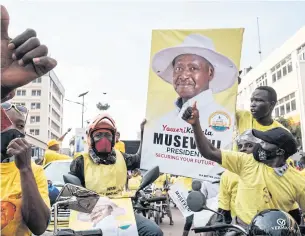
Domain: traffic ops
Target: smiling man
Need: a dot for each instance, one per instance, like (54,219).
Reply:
(196,72)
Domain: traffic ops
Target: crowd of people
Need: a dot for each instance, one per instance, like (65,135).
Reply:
(259,175)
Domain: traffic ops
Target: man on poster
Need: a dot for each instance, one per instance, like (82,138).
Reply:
(196,72)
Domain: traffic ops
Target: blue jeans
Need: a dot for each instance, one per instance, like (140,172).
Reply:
(146,227)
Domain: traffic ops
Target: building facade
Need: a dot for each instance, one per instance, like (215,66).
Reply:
(44,99)
(282,71)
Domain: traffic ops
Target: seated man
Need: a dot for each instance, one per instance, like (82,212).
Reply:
(104,169)
(266,180)
(25,205)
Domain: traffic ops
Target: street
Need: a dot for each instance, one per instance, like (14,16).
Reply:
(177,228)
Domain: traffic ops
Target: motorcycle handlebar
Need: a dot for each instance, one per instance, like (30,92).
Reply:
(156,199)
(219,227)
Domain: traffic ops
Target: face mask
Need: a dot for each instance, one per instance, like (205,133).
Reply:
(103,145)
(7,137)
(261,154)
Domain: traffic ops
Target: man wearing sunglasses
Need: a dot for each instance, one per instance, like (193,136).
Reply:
(23,183)
(23,58)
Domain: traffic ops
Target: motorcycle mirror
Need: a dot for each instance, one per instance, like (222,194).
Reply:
(85,199)
(149,177)
(196,201)
(72,179)
(196,185)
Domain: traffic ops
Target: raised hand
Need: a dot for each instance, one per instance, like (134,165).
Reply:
(191,115)
(143,124)
(23,58)
(22,151)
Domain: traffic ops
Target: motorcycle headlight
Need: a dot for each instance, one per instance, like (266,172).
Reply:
(158,193)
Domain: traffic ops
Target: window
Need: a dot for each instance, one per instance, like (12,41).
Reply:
(49,121)
(48,134)
(281,69)
(36,92)
(49,108)
(21,92)
(293,105)
(285,105)
(35,105)
(35,119)
(55,115)
(19,103)
(262,81)
(289,67)
(277,112)
(56,104)
(39,80)
(55,126)
(301,52)
(34,131)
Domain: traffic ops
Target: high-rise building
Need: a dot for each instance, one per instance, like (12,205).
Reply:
(44,99)
(283,70)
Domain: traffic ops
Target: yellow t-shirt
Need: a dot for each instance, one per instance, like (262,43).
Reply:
(186,181)
(108,180)
(134,182)
(51,155)
(11,216)
(228,191)
(159,183)
(173,180)
(260,188)
(120,146)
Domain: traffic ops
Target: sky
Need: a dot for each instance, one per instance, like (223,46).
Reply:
(104,46)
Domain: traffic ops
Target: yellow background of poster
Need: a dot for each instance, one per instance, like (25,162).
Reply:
(226,41)
(128,218)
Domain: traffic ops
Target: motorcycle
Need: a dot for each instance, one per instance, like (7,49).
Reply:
(75,197)
(196,201)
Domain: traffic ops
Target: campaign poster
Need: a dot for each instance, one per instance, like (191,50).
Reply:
(80,140)
(190,66)
(178,193)
(115,217)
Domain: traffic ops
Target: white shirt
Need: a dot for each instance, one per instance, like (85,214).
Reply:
(178,154)
(108,225)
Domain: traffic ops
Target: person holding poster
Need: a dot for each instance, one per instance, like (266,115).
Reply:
(261,173)
(196,72)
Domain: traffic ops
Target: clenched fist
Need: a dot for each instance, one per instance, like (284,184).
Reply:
(22,151)
(23,58)
(191,115)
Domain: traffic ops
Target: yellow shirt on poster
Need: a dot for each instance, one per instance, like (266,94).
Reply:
(186,181)
(11,198)
(260,188)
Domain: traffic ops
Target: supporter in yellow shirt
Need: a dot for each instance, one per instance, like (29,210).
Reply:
(24,196)
(52,153)
(229,180)
(135,181)
(119,145)
(161,181)
(266,180)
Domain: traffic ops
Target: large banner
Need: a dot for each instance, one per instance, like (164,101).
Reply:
(80,140)
(115,217)
(188,66)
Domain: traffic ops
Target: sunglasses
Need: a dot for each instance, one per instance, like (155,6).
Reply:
(19,108)
(7,106)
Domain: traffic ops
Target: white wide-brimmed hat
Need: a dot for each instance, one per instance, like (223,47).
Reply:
(225,74)
(103,201)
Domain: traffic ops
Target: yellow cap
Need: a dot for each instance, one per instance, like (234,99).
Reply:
(52,142)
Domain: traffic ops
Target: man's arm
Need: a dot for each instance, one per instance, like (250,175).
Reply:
(35,211)
(133,160)
(204,146)
(77,169)
(64,135)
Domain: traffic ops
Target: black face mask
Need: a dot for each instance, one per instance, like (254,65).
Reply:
(261,154)
(7,137)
